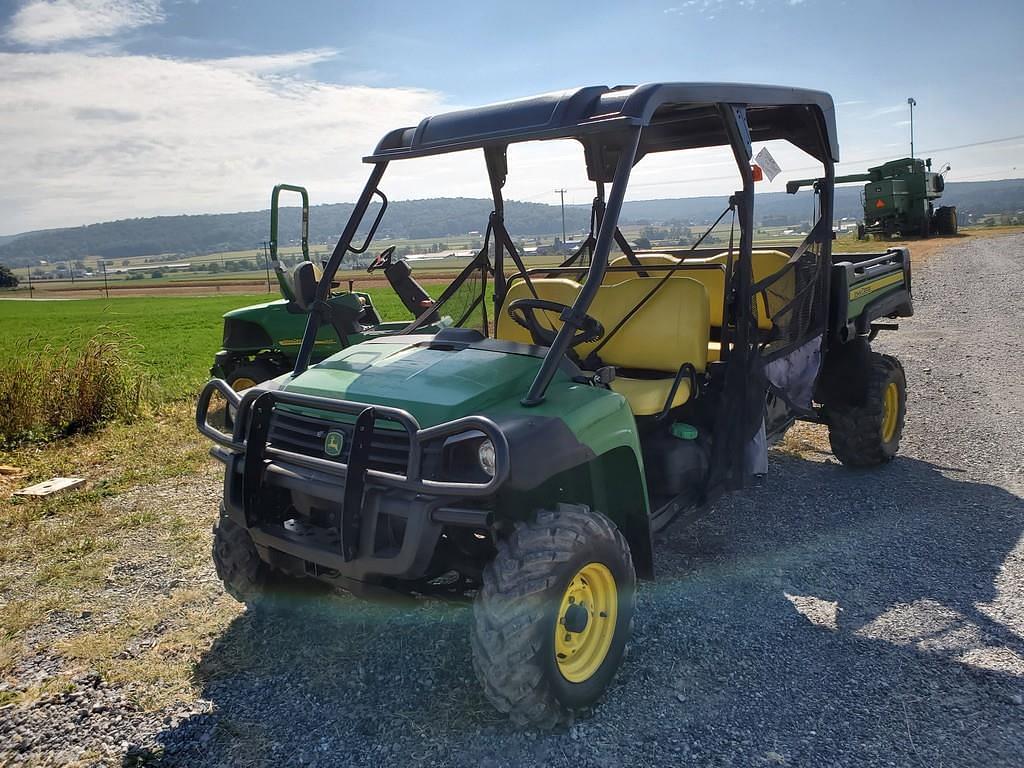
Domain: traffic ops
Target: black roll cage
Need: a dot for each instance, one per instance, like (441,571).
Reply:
(647,120)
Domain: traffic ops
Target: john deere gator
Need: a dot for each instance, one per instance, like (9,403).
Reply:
(524,453)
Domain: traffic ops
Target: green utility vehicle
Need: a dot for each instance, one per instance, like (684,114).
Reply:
(262,340)
(898,199)
(525,453)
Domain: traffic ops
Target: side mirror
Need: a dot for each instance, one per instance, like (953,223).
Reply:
(304,280)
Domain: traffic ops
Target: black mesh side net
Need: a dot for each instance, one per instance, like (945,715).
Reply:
(467,306)
(793,299)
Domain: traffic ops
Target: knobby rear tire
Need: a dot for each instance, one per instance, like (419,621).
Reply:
(855,431)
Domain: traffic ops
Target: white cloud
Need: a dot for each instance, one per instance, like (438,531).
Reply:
(882,111)
(41,23)
(88,137)
(276,62)
(98,137)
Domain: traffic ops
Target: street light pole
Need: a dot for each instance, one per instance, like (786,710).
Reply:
(912,104)
(561,193)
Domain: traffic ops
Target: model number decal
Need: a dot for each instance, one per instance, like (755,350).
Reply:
(882,282)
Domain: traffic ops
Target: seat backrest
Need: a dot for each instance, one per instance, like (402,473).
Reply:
(646,259)
(560,289)
(670,329)
(713,279)
(764,263)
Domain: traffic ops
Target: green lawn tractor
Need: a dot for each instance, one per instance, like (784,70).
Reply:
(898,199)
(261,341)
(524,453)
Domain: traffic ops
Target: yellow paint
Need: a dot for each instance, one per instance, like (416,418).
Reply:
(670,329)
(580,654)
(297,342)
(891,411)
(874,285)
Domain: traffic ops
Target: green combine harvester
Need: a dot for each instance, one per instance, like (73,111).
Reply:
(262,341)
(898,199)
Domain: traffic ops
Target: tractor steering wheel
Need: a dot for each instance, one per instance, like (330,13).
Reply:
(383,260)
(522,311)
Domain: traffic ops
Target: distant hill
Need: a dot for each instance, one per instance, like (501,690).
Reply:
(438,217)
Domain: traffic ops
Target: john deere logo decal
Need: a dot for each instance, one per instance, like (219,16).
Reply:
(333,443)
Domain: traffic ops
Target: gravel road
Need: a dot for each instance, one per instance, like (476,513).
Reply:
(830,618)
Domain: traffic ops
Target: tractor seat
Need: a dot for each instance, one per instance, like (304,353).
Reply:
(672,328)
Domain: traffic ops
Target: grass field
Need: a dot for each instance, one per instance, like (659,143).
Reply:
(175,336)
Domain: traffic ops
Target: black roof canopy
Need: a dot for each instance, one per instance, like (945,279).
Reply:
(673,115)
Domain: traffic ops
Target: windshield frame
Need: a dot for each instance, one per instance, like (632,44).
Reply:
(619,152)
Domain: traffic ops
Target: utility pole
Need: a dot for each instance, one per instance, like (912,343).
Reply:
(912,104)
(266,263)
(561,193)
(30,280)
(71,269)
(106,288)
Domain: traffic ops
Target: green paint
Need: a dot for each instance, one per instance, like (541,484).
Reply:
(683,431)
(438,386)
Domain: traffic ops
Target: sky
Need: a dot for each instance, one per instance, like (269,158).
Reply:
(114,109)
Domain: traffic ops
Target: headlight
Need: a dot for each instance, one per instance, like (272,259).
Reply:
(468,457)
(486,455)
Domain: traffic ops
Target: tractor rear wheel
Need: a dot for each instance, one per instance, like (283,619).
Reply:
(553,616)
(242,378)
(250,374)
(868,433)
(237,562)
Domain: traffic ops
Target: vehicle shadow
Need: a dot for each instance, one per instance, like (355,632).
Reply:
(829,610)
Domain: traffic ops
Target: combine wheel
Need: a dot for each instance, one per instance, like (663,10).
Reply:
(553,616)
(868,433)
(945,220)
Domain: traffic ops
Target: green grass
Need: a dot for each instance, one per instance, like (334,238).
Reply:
(175,336)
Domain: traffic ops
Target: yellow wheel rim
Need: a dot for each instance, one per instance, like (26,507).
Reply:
(890,411)
(242,383)
(586,622)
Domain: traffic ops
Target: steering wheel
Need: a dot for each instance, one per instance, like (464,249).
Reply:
(383,259)
(522,311)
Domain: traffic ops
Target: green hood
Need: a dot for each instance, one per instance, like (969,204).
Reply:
(434,385)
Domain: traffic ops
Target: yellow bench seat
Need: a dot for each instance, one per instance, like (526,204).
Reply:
(670,329)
